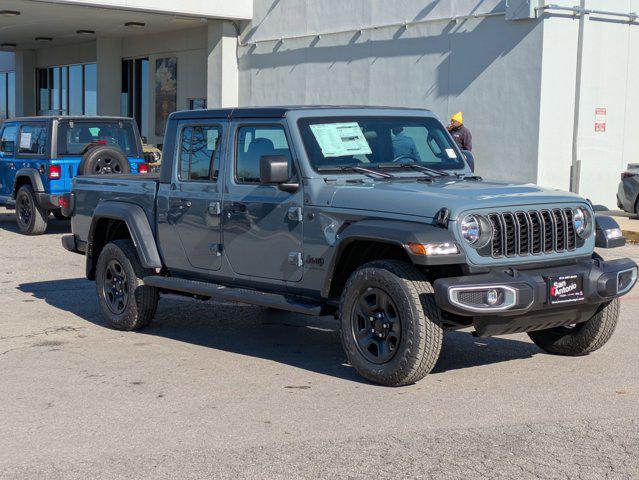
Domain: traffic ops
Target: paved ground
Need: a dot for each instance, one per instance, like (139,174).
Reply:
(228,391)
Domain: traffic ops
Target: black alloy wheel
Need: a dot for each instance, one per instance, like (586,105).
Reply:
(25,209)
(116,288)
(376,326)
(107,165)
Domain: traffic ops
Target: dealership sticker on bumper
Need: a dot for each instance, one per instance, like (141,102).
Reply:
(566,289)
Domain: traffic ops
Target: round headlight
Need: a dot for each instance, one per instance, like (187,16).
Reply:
(581,222)
(471,229)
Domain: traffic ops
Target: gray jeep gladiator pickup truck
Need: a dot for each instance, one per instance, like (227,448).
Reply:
(372,215)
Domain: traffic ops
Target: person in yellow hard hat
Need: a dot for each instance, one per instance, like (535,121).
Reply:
(460,133)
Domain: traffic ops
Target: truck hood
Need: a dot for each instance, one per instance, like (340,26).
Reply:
(458,195)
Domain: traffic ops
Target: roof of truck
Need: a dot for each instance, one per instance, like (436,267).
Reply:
(270,112)
(67,117)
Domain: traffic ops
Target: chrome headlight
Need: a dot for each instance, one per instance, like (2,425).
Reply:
(582,222)
(476,230)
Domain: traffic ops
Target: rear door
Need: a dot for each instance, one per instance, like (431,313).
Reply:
(262,224)
(191,203)
(8,138)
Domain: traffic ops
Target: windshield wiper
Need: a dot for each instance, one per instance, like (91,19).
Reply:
(415,166)
(356,169)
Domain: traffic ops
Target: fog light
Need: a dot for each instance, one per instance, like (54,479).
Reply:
(626,280)
(492,297)
(613,233)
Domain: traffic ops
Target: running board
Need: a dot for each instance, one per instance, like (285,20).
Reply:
(228,294)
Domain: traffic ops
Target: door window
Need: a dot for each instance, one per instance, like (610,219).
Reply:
(8,139)
(33,139)
(254,142)
(199,157)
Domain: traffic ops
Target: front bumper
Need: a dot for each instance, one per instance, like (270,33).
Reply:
(524,295)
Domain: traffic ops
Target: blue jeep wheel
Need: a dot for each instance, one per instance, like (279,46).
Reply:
(30,216)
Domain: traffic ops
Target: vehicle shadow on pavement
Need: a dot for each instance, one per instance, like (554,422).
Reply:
(304,342)
(8,222)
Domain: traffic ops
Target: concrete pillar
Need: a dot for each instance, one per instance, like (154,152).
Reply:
(222,70)
(25,64)
(109,66)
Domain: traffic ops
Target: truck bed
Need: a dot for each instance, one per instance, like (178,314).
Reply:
(90,190)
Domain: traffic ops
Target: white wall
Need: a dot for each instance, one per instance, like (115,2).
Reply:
(609,78)
(487,67)
(66,55)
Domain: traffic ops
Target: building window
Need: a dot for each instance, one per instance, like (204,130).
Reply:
(7,94)
(67,90)
(197,103)
(134,94)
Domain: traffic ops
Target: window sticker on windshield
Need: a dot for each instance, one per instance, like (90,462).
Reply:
(451,153)
(25,140)
(211,139)
(341,139)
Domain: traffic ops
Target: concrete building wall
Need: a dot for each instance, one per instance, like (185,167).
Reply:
(609,77)
(487,67)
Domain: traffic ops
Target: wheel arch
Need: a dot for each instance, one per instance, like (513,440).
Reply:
(26,176)
(117,220)
(369,240)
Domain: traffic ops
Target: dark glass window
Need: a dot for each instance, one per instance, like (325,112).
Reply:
(3,96)
(8,139)
(199,157)
(255,142)
(67,90)
(33,139)
(74,138)
(90,89)
(75,90)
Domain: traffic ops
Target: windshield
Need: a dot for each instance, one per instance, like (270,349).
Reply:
(75,137)
(370,141)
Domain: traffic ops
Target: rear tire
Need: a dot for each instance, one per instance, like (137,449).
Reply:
(30,216)
(390,324)
(104,159)
(125,302)
(583,338)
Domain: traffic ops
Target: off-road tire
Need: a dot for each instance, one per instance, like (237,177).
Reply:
(142,300)
(36,223)
(104,159)
(421,330)
(582,338)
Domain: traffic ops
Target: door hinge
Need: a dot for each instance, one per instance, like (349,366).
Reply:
(294,214)
(295,258)
(215,208)
(216,249)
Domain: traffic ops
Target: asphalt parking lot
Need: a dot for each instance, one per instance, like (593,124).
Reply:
(231,391)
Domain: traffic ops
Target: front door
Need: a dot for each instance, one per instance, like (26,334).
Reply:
(262,225)
(190,206)
(7,158)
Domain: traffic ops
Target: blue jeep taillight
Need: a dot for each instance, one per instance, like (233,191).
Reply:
(55,172)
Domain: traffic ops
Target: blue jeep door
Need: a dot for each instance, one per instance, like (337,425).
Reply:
(262,229)
(7,158)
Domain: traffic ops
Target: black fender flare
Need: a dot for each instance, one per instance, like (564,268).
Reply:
(394,232)
(139,228)
(34,177)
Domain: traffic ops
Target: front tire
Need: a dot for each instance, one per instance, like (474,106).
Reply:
(583,338)
(31,218)
(390,324)
(125,302)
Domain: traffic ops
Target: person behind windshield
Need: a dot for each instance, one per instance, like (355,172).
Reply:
(460,133)
(403,145)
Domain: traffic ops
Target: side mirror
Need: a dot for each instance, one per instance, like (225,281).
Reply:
(144,139)
(274,170)
(470,159)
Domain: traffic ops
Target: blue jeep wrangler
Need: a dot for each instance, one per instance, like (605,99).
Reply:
(40,156)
